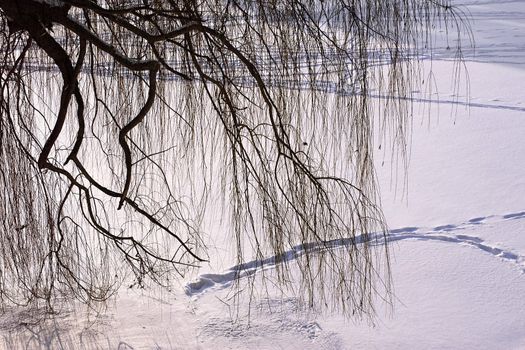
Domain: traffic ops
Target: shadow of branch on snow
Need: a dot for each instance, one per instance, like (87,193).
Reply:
(40,329)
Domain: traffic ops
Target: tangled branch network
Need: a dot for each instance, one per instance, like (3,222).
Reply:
(121,119)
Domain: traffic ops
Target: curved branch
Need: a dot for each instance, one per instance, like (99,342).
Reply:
(61,59)
(132,124)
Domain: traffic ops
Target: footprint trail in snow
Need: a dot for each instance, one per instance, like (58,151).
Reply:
(444,233)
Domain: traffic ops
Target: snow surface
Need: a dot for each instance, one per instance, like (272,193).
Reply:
(458,238)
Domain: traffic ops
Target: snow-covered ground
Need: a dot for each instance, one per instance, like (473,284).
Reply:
(458,238)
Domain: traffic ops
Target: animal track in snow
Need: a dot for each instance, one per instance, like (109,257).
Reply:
(445,228)
(519,215)
(463,239)
(276,319)
(405,230)
(442,233)
(478,220)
